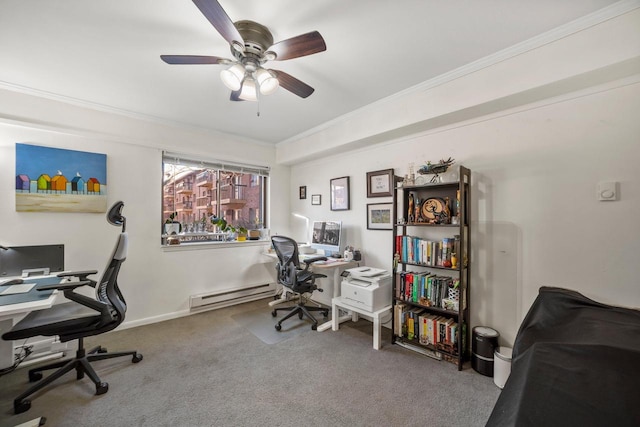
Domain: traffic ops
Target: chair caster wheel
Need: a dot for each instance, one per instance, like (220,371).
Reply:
(274,313)
(300,316)
(102,388)
(136,358)
(102,350)
(278,327)
(22,406)
(325,314)
(35,376)
(314,327)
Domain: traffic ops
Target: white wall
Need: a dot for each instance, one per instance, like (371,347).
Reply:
(535,217)
(539,130)
(156,282)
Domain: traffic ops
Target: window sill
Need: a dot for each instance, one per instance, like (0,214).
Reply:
(187,246)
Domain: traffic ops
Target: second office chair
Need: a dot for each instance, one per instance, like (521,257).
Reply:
(299,280)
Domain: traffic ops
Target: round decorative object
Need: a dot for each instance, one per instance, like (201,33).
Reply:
(432,208)
(421,180)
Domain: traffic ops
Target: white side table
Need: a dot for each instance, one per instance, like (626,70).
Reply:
(337,303)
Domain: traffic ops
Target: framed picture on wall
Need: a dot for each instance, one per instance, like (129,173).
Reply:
(316,199)
(303,192)
(379,216)
(380,183)
(339,194)
(59,180)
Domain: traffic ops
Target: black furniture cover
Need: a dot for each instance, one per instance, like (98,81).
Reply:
(576,362)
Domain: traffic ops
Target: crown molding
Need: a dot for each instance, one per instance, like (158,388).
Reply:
(122,112)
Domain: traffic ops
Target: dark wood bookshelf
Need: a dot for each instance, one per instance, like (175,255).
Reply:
(423,226)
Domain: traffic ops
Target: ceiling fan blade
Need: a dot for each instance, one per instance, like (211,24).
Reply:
(302,45)
(235,95)
(293,85)
(193,59)
(212,10)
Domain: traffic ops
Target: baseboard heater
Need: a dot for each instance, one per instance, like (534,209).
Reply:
(224,298)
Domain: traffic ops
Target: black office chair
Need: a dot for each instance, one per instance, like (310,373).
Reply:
(83,317)
(299,280)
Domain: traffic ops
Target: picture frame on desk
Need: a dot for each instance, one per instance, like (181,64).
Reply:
(379,216)
(380,183)
(316,199)
(339,194)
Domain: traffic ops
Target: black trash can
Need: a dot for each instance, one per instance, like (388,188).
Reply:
(485,341)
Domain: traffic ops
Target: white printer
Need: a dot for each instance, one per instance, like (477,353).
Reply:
(367,288)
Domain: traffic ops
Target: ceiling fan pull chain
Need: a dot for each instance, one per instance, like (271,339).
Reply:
(258,98)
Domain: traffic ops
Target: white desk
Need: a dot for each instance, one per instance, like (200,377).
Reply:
(338,267)
(337,303)
(9,312)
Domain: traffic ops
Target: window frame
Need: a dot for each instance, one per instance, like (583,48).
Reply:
(246,181)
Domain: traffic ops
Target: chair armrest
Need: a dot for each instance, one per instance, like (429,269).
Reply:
(92,303)
(314,259)
(69,287)
(65,286)
(310,261)
(82,275)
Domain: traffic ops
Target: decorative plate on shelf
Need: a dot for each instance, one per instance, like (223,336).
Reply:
(432,208)
(421,180)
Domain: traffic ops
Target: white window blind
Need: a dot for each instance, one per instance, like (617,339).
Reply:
(198,162)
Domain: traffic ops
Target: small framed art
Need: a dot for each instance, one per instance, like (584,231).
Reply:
(339,194)
(303,192)
(380,183)
(379,216)
(316,199)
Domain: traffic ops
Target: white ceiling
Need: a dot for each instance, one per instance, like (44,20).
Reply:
(106,53)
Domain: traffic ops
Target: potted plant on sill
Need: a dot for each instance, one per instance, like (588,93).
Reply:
(171,226)
(225,227)
(255,231)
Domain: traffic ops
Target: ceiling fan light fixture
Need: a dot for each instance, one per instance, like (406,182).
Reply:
(267,81)
(232,76)
(248,92)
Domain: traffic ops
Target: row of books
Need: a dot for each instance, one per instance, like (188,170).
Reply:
(428,289)
(417,250)
(414,323)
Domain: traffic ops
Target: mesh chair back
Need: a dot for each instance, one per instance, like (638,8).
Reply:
(288,258)
(107,290)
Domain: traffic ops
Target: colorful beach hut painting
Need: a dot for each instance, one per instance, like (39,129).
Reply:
(58,180)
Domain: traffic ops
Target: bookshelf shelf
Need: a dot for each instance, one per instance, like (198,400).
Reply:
(431,245)
(443,311)
(420,224)
(437,267)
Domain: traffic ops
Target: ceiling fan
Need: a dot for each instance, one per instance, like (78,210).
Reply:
(252,46)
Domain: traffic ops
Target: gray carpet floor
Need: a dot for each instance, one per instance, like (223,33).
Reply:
(210,369)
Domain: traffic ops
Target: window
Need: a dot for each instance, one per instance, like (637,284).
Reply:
(194,190)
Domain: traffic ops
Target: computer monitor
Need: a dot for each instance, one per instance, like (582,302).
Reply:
(326,236)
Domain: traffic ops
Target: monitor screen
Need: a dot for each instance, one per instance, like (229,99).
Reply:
(326,235)
(16,260)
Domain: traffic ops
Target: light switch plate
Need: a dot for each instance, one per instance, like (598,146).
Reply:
(607,191)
